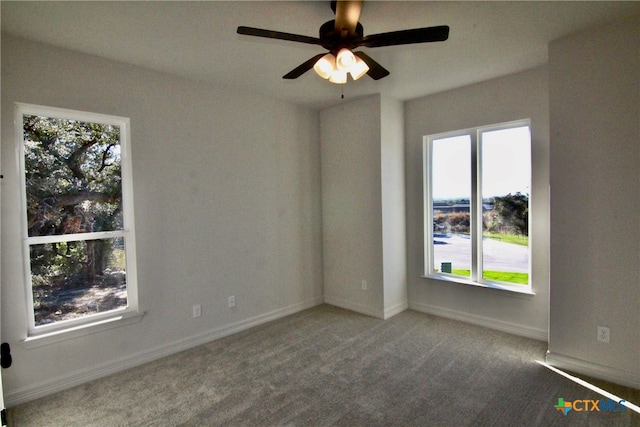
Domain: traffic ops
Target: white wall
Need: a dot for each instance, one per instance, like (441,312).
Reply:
(363,209)
(394,227)
(513,97)
(351,205)
(227,198)
(595,200)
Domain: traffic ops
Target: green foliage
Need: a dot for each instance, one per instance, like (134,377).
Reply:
(72,176)
(453,222)
(118,260)
(510,215)
(508,238)
(73,185)
(461,272)
(498,276)
(507,276)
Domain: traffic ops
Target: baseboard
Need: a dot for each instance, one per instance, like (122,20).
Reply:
(487,322)
(359,308)
(396,309)
(353,306)
(594,370)
(57,384)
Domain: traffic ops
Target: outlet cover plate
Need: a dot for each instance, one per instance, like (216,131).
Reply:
(197,310)
(603,334)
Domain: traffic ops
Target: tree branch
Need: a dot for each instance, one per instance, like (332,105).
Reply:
(74,160)
(72,199)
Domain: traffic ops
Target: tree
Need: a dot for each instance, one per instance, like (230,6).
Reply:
(73,185)
(510,215)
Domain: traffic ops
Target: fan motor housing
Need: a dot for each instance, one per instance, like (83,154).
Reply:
(334,40)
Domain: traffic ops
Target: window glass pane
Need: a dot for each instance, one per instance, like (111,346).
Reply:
(451,193)
(73,176)
(78,278)
(505,188)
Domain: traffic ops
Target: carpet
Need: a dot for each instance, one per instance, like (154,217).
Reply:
(331,367)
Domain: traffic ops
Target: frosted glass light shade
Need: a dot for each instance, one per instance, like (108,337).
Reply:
(325,66)
(338,76)
(359,69)
(345,59)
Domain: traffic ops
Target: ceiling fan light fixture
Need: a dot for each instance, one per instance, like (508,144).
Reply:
(341,35)
(325,66)
(338,76)
(358,69)
(345,59)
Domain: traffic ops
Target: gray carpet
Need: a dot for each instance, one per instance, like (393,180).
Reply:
(331,367)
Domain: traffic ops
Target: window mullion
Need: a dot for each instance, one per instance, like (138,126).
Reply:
(55,238)
(475,210)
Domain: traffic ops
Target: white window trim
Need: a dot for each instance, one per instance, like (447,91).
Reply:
(475,206)
(115,319)
(67,329)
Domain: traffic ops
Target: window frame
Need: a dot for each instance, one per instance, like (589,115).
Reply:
(475,210)
(101,320)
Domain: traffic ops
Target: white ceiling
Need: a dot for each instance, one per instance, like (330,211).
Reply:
(198,40)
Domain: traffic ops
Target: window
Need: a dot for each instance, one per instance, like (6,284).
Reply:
(477,186)
(78,233)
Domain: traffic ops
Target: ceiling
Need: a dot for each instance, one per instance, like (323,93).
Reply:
(198,40)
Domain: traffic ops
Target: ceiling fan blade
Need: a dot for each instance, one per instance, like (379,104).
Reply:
(249,31)
(417,35)
(376,71)
(303,68)
(347,16)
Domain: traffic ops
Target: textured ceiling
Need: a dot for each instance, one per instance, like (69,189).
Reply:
(198,40)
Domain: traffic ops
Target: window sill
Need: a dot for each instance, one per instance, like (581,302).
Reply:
(491,287)
(82,330)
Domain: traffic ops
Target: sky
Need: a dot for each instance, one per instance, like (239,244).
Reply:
(506,164)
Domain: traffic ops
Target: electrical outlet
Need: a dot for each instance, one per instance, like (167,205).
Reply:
(365,285)
(197,310)
(603,334)
(232,301)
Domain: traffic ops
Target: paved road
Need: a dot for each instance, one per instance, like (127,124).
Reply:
(498,256)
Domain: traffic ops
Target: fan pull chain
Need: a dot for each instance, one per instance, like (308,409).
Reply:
(342,87)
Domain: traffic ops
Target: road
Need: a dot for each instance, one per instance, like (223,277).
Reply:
(498,256)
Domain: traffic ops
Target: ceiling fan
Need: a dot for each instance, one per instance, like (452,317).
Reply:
(343,34)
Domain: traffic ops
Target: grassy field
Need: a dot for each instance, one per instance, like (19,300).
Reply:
(500,276)
(508,238)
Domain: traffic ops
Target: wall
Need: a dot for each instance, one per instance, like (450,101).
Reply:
(351,198)
(518,96)
(394,227)
(595,188)
(227,199)
(363,209)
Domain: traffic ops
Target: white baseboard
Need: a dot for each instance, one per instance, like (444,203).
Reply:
(359,308)
(353,306)
(396,309)
(617,376)
(57,384)
(487,322)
